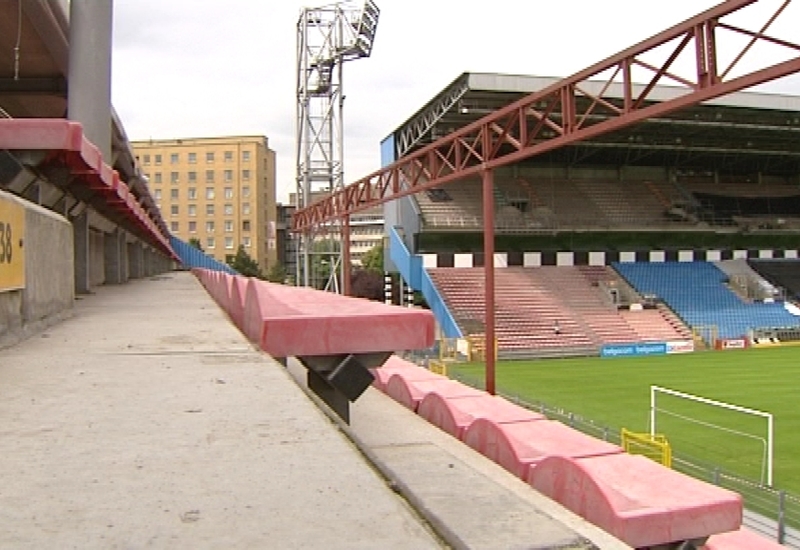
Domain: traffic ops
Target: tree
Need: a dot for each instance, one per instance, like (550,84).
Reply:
(277,273)
(245,265)
(372,260)
(367,284)
(195,242)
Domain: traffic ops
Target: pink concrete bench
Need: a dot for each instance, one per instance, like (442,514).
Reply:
(291,321)
(518,445)
(741,540)
(410,371)
(637,500)
(410,392)
(454,416)
(63,142)
(236,300)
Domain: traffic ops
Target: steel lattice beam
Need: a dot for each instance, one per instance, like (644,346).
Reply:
(567,112)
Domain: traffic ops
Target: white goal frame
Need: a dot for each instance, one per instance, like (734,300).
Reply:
(770,422)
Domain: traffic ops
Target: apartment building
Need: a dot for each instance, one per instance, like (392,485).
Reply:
(220,191)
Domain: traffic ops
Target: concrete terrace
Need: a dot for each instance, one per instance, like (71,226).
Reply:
(148,420)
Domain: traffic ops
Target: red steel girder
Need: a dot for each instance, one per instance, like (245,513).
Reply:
(565,113)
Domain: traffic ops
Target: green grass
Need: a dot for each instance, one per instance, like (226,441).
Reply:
(616,393)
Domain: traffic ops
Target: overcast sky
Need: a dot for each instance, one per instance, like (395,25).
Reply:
(197,68)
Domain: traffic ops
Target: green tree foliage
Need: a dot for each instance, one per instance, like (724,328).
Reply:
(372,260)
(245,265)
(367,284)
(195,242)
(277,273)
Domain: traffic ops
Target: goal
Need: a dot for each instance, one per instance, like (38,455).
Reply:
(714,431)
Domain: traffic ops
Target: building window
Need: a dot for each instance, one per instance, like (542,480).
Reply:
(173,209)
(210,242)
(245,175)
(192,177)
(173,177)
(173,194)
(209,227)
(246,156)
(192,227)
(246,208)
(229,210)
(192,210)
(147,160)
(192,191)
(192,158)
(229,243)
(173,158)
(229,192)
(209,176)
(173,226)
(228,226)
(158,160)
(210,156)
(157,178)
(246,242)
(157,194)
(228,176)
(209,210)
(246,225)
(210,193)
(246,192)
(228,156)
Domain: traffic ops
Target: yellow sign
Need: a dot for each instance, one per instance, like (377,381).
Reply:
(12,242)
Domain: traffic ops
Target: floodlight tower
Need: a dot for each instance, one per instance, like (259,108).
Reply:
(327,37)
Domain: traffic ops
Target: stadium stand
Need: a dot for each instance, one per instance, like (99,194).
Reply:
(529,302)
(698,293)
(782,273)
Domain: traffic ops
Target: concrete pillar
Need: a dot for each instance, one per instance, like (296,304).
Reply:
(80,233)
(136,260)
(113,252)
(123,256)
(89,99)
(148,262)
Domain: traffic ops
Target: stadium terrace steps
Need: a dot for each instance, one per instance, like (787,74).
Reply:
(639,501)
(696,291)
(529,301)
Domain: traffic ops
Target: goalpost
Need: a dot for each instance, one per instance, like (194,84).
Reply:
(768,443)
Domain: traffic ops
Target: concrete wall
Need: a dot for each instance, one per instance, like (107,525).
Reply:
(49,290)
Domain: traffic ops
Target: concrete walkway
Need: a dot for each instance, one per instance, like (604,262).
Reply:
(147,421)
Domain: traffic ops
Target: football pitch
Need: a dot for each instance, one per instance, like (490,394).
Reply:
(615,392)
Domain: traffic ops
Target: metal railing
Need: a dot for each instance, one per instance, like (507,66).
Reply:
(772,513)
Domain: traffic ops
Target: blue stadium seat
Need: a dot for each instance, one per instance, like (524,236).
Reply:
(697,292)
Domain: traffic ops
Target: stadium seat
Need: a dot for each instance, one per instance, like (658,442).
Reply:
(519,445)
(637,500)
(455,415)
(743,539)
(396,365)
(409,393)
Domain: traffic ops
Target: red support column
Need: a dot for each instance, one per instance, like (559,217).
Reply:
(488,269)
(346,256)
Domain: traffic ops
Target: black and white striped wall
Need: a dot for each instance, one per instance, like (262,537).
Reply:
(535,259)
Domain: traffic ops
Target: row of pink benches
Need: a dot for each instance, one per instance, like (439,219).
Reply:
(63,143)
(642,503)
(287,321)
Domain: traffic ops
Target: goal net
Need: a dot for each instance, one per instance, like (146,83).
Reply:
(736,439)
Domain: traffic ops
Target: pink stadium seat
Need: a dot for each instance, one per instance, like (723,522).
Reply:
(518,445)
(454,416)
(291,321)
(395,364)
(640,502)
(410,392)
(236,303)
(741,540)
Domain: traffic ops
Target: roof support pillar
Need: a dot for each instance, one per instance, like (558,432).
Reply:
(89,93)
